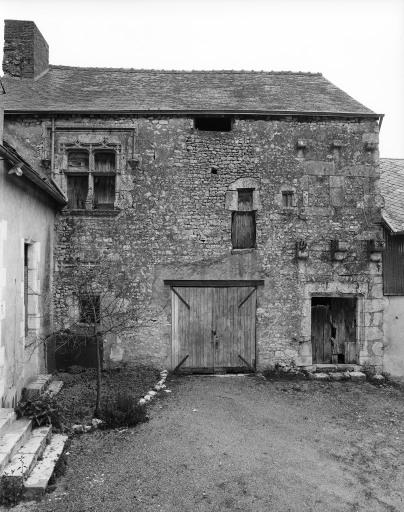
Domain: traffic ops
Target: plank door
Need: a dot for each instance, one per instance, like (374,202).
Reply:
(234,327)
(192,328)
(333,331)
(213,326)
(321,333)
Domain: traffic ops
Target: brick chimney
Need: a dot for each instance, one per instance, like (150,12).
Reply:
(26,53)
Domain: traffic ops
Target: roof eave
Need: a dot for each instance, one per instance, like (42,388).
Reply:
(187,112)
(35,177)
(390,226)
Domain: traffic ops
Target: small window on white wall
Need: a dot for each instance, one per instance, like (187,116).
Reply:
(31,287)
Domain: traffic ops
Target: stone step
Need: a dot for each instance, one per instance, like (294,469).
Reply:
(54,387)
(24,460)
(37,386)
(12,439)
(329,368)
(7,416)
(36,483)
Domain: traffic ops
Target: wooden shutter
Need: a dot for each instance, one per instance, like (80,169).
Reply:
(77,189)
(243,221)
(104,191)
(393,265)
(243,230)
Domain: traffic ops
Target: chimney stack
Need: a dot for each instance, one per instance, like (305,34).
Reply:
(26,53)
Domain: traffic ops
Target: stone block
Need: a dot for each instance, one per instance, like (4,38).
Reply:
(357,376)
(337,376)
(377,379)
(320,376)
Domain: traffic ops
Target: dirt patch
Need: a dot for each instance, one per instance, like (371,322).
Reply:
(77,397)
(245,444)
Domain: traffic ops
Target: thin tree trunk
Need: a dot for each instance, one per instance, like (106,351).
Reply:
(98,397)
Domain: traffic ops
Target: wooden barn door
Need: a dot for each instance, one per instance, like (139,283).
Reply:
(214,328)
(333,330)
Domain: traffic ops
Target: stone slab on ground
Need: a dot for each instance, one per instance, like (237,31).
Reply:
(337,376)
(54,387)
(378,379)
(36,483)
(320,376)
(357,376)
(37,386)
(7,416)
(12,440)
(24,460)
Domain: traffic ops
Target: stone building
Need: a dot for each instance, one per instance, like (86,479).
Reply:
(244,206)
(28,204)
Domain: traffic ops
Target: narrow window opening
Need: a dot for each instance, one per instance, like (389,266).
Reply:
(213,124)
(288,197)
(243,221)
(89,308)
(26,292)
(77,189)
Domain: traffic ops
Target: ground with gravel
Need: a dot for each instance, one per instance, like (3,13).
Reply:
(244,444)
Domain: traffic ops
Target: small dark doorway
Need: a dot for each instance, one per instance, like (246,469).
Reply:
(333,330)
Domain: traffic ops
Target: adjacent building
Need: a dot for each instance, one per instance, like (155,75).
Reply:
(392,188)
(28,204)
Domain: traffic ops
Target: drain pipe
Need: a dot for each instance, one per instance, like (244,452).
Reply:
(52,145)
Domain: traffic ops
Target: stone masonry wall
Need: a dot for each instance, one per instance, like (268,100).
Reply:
(173,222)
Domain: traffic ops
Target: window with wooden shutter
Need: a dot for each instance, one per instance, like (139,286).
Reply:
(104,180)
(393,264)
(77,189)
(243,221)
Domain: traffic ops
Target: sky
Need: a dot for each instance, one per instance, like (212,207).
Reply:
(356,44)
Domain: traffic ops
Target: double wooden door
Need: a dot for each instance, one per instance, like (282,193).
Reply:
(213,328)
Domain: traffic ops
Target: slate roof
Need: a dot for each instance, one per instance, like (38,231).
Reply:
(67,89)
(392,190)
(36,177)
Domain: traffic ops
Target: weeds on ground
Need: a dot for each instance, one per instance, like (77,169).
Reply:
(283,372)
(43,410)
(123,411)
(11,488)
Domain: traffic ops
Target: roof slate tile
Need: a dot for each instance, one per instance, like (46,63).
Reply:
(67,89)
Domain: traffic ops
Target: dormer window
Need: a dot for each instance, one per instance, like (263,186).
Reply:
(213,124)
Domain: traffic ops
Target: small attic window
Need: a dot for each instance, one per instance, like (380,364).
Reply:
(288,198)
(213,124)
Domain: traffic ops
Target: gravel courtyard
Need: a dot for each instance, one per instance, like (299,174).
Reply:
(245,444)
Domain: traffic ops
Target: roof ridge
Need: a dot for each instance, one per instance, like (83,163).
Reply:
(220,71)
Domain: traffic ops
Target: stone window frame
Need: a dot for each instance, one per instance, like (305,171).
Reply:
(231,201)
(279,197)
(91,148)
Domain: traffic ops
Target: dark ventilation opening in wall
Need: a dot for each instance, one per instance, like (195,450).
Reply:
(213,124)
(333,330)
